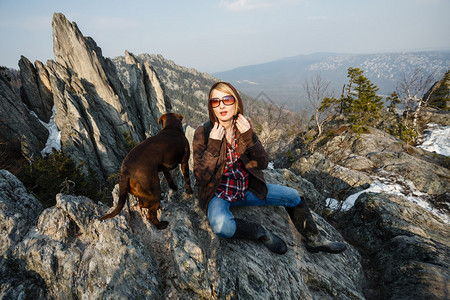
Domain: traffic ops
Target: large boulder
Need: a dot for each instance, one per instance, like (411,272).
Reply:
(75,256)
(80,257)
(305,189)
(406,248)
(19,210)
(348,163)
(331,179)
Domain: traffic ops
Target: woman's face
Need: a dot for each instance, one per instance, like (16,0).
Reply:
(223,112)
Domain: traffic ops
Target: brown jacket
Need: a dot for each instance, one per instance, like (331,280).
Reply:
(209,163)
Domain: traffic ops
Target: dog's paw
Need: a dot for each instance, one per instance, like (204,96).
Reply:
(162,225)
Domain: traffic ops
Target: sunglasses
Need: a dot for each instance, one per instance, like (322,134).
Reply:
(226,100)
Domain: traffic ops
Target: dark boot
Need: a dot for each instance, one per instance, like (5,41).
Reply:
(251,231)
(303,220)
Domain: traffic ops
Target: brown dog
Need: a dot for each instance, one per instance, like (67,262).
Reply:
(139,171)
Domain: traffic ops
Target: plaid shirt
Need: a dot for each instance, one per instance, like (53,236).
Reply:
(234,182)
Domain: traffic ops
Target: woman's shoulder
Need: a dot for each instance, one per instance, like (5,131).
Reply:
(200,132)
(205,127)
(199,129)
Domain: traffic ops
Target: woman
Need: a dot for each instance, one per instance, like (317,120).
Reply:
(228,164)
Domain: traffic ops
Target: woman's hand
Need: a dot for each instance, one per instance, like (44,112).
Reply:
(217,132)
(242,124)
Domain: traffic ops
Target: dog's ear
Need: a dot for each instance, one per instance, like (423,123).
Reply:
(162,119)
(180,116)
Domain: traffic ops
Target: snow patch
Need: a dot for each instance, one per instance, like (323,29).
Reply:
(436,139)
(415,197)
(54,137)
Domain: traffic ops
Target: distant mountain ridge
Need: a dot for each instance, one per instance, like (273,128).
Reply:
(282,80)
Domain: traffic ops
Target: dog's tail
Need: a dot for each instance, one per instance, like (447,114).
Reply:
(124,188)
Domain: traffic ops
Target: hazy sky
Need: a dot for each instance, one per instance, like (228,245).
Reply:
(218,35)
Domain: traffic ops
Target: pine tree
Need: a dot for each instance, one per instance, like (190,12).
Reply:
(359,101)
(362,105)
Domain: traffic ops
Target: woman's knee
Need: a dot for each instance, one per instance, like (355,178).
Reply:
(294,198)
(283,195)
(222,226)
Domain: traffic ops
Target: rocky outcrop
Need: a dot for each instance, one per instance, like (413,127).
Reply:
(82,56)
(351,162)
(144,91)
(186,88)
(99,106)
(97,110)
(427,177)
(93,109)
(91,129)
(439,95)
(36,89)
(20,130)
(79,257)
(408,247)
(404,246)
(333,179)
(19,210)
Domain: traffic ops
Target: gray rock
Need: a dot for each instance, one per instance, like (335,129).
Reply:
(184,90)
(74,255)
(16,282)
(91,129)
(430,115)
(18,211)
(83,57)
(89,99)
(304,187)
(347,163)
(407,247)
(147,98)
(36,88)
(330,179)
(376,141)
(96,112)
(20,130)
(357,162)
(80,257)
(200,265)
(427,177)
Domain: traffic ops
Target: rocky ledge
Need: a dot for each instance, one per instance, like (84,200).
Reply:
(65,252)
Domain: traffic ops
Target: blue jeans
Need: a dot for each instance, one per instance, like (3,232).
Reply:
(221,219)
